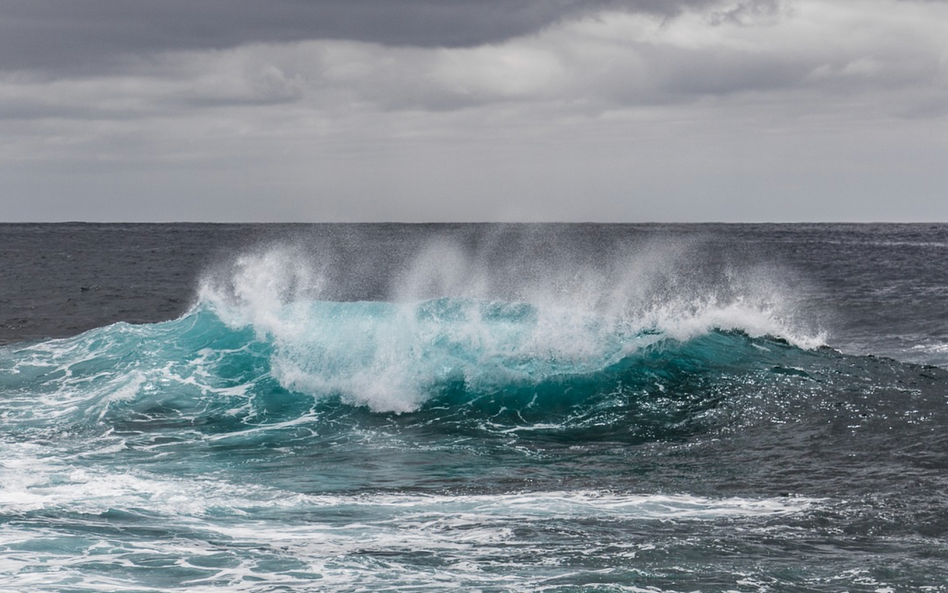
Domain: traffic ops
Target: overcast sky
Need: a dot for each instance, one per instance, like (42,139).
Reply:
(474,110)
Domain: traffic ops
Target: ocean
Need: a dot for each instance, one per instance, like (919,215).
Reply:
(492,408)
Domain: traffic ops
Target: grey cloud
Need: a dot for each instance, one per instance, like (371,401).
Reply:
(684,75)
(266,86)
(748,12)
(32,109)
(97,35)
(25,109)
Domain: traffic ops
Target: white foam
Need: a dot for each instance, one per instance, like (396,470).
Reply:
(328,541)
(582,503)
(580,319)
(260,290)
(35,477)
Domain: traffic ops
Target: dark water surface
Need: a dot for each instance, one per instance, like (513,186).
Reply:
(490,407)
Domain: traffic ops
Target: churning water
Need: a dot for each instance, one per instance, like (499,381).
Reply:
(490,408)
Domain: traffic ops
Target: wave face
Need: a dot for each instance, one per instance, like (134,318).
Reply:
(464,358)
(392,356)
(512,431)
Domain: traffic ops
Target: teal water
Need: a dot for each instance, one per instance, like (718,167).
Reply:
(566,437)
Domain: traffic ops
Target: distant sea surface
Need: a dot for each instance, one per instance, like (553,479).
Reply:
(580,407)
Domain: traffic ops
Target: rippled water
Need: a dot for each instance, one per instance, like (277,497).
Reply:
(550,408)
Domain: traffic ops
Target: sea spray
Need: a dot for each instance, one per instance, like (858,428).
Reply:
(452,319)
(558,408)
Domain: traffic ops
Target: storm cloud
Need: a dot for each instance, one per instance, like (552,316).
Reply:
(58,35)
(473,110)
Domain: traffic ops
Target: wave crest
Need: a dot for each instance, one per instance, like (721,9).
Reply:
(447,322)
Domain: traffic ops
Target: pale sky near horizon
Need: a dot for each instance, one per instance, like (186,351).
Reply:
(474,110)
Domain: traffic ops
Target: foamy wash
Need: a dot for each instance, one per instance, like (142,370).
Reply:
(513,415)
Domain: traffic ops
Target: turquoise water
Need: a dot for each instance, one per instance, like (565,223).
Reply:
(272,439)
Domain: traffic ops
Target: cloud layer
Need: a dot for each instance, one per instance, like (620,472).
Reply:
(65,34)
(414,110)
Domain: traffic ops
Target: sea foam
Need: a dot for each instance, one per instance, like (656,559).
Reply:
(452,315)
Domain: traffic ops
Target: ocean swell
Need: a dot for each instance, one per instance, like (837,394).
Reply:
(393,355)
(264,353)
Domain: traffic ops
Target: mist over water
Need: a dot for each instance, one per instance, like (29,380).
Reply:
(558,408)
(516,308)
